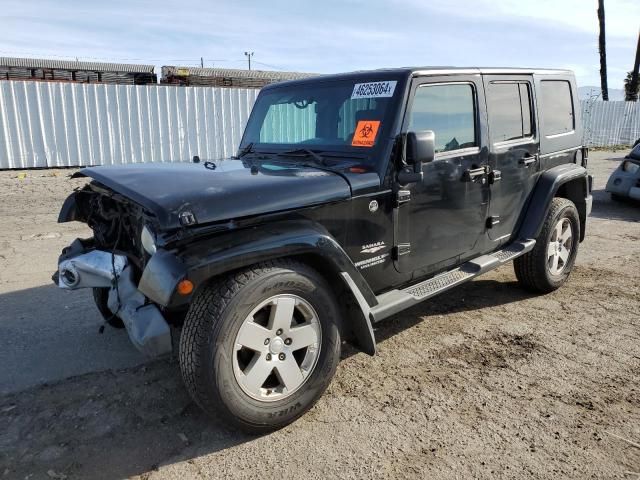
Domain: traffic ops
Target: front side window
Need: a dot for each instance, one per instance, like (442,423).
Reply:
(448,110)
(509,107)
(557,107)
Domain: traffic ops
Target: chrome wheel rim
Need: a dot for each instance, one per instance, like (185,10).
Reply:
(277,347)
(559,248)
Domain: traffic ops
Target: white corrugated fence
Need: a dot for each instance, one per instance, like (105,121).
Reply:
(47,124)
(610,123)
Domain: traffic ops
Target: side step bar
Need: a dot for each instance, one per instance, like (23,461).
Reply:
(394,301)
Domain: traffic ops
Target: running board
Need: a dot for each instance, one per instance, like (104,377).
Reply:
(395,301)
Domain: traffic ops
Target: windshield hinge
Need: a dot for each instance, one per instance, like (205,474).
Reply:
(403,196)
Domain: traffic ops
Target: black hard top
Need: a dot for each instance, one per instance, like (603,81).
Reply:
(385,73)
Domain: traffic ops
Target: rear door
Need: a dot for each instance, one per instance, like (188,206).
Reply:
(514,153)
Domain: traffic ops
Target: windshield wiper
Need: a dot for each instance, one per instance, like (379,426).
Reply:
(248,148)
(303,152)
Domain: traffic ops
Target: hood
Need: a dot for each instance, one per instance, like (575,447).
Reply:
(224,190)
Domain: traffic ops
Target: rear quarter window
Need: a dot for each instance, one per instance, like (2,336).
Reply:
(557,114)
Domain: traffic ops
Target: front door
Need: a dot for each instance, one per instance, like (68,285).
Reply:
(441,220)
(514,150)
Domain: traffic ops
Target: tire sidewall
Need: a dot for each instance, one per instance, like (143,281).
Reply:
(569,212)
(100,297)
(219,350)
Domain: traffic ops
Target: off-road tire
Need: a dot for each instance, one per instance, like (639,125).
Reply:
(210,328)
(100,297)
(531,268)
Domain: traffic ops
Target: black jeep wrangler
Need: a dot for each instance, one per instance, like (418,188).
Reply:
(352,197)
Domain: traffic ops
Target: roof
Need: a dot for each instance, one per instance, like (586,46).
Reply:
(485,70)
(236,73)
(74,65)
(448,70)
(386,73)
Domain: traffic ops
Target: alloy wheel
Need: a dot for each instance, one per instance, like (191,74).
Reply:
(559,248)
(277,347)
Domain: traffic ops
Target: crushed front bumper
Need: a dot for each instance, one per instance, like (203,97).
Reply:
(145,324)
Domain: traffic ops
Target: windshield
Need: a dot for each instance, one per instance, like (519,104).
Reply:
(339,116)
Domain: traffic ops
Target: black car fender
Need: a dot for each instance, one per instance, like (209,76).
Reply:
(568,181)
(69,210)
(229,251)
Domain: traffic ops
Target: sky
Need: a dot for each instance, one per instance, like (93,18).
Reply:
(327,36)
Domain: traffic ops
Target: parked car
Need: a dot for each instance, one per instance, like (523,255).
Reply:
(352,197)
(624,182)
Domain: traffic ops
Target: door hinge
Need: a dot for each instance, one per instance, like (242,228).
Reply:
(403,196)
(492,221)
(401,249)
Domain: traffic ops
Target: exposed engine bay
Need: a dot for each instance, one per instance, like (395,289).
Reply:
(116,222)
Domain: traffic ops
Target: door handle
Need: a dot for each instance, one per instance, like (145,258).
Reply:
(528,160)
(471,174)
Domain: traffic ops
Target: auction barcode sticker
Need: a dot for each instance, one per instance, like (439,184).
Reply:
(374,89)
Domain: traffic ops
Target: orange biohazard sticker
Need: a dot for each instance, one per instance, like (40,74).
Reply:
(365,134)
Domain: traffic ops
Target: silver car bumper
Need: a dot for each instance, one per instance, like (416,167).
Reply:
(145,324)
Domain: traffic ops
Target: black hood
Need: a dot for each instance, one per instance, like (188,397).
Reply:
(232,189)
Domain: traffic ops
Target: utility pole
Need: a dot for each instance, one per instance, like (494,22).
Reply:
(201,62)
(602,47)
(249,55)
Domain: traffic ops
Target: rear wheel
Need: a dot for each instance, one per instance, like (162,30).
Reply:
(548,265)
(259,347)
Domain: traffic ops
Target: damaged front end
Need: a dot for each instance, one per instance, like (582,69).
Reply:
(116,260)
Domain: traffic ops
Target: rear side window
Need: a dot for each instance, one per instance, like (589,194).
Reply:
(448,110)
(557,107)
(509,105)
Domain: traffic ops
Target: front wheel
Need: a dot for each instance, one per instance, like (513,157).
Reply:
(548,265)
(101,298)
(259,347)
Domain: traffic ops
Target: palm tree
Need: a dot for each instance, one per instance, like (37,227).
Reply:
(602,46)
(631,83)
(630,93)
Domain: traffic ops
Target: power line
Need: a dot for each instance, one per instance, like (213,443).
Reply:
(276,67)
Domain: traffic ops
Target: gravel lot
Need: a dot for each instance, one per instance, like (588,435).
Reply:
(485,381)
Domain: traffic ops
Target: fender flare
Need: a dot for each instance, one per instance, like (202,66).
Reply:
(69,210)
(547,187)
(205,259)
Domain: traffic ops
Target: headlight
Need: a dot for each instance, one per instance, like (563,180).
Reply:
(630,167)
(148,240)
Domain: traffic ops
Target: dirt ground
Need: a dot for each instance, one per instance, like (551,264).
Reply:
(486,381)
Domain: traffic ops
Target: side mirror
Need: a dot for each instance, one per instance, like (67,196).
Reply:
(420,148)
